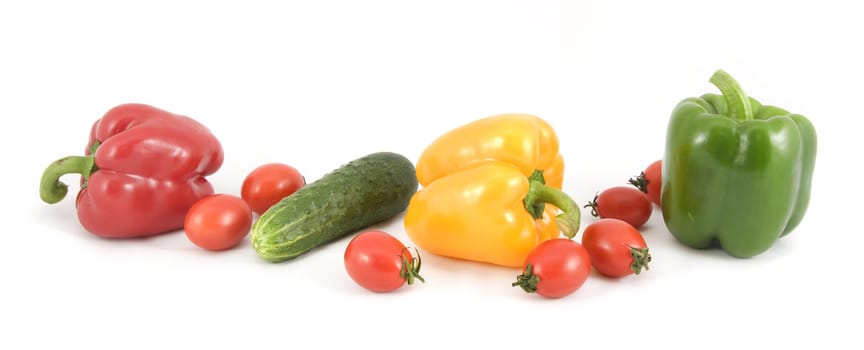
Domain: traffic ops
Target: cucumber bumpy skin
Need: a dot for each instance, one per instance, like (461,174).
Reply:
(363,192)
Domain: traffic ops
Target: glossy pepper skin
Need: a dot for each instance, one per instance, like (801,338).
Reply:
(143,169)
(736,173)
(484,192)
(524,140)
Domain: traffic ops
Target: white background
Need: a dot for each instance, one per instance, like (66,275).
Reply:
(315,84)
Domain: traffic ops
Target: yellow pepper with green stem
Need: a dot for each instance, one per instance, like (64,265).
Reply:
(485,189)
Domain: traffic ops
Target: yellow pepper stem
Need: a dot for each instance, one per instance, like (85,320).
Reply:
(570,218)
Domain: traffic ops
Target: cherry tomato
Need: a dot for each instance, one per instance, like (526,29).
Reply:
(218,222)
(622,202)
(379,262)
(650,181)
(268,184)
(617,249)
(555,268)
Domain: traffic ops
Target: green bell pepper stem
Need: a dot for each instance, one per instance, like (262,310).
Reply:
(737,102)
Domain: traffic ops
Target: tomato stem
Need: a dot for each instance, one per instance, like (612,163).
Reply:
(641,258)
(593,205)
(641,182)
(411,267)
(527,280)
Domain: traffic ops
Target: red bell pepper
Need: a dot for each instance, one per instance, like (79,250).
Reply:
(142,170)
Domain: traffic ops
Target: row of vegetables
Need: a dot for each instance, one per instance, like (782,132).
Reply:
(735,175)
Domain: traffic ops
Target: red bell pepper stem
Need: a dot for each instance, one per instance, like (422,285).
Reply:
(51,189)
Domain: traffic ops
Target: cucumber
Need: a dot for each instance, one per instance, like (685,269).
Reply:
(358,194)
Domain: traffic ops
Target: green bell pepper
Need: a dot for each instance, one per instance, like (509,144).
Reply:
(736,174)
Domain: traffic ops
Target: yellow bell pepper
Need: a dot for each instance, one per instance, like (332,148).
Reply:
(484,192)
(524,140)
